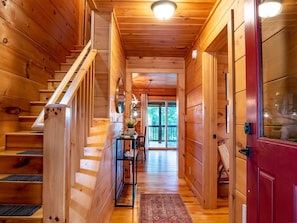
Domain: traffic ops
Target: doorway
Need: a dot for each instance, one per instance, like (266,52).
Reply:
(162,125)
(217,131)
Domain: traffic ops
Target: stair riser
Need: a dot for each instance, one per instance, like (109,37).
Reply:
(26,123)
(75,53)
(21,142)
(21,164)
(60,75)
(36,109)
(20,193)
(45,96)
(53,85)
(65,66)
(70,59)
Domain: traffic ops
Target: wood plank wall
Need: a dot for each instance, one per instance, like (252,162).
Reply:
(35,38)
(195,149)
(110,65)
(222,68)
(102,23)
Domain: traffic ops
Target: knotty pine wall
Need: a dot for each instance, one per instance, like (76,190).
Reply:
(102,32)
(195,151)
(35,38)
(110,65)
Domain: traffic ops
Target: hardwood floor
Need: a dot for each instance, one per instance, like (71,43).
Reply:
(159,174)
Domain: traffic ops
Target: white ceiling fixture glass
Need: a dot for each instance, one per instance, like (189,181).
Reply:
(270,8)
(163,9)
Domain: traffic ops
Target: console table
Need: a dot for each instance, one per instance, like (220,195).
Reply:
(124,155)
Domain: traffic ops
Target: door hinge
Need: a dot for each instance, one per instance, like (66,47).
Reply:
(248,128)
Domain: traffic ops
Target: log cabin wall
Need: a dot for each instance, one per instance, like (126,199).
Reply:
(195,150)
(35,38)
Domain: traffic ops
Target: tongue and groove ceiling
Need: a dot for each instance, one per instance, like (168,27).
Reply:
(143,35)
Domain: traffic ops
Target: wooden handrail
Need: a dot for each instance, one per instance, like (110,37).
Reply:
(39,124)
(70,93)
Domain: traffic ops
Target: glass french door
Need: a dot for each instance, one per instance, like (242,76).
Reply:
(162,124)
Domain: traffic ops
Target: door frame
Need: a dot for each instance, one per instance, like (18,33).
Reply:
(165,101)
(180,105)
(210,154)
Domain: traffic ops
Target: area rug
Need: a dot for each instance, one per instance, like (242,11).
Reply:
(163,208)
(23,177)
(18,210)
(31,152)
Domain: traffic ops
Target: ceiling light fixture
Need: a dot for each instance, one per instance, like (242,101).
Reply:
(270,8)
(163,9)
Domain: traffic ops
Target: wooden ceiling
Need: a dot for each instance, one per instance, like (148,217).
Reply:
(151,80)
(143,35)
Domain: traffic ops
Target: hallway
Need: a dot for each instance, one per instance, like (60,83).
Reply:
(159,174)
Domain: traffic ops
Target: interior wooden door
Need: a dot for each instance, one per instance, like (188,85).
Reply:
(271,128)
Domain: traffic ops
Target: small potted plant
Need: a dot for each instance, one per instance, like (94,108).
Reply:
(130,123)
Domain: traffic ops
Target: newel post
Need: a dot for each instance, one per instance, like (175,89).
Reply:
(56,164)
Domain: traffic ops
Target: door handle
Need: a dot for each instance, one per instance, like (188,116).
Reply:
(247,151)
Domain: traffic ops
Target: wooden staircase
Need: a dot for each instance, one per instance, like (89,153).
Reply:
(86,178)
(23,156)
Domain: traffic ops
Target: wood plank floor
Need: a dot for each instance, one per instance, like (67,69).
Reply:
(159,174)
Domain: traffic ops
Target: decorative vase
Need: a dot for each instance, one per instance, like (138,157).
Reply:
(130,131)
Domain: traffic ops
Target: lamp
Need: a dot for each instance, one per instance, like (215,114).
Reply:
(163,9)
(133,109)
(270,8)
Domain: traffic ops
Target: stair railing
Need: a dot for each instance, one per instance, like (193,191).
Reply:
(38,124)
(66,127)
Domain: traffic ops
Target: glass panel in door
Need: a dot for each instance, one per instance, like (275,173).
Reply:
(162,124)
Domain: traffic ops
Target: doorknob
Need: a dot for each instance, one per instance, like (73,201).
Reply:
(247,151)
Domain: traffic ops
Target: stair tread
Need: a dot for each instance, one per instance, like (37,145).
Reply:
(25,133)
(38,102)
(17,153)
(54,80)
(24,117)
(65,63)
(46,90)
(60,71)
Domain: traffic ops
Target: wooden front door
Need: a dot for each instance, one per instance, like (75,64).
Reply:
(271,58)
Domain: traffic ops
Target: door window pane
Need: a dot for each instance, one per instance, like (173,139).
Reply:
(279,69)
(162,124)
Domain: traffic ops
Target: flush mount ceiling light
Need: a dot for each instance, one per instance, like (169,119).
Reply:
(163,9)
(270,8)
